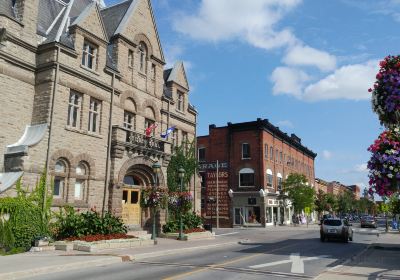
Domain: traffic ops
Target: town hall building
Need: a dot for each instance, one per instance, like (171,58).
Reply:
(80,84)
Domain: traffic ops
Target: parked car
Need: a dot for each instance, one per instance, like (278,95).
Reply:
(368,221)
(336,228)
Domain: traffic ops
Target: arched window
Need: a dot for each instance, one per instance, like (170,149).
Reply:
(131,181)
(60,175)
(270,178)
(81,181)
(246,177)
(142,57)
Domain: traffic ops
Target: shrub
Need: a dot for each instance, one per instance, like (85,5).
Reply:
(189,221)
(71,223)
(28,214)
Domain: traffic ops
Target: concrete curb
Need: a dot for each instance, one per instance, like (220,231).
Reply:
(59,268)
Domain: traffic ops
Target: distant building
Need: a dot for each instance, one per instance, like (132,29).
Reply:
(336,187)
(253,160)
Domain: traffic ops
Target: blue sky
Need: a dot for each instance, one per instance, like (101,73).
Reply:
(304,65)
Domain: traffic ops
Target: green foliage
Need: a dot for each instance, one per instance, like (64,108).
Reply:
(365,205)
(345,202)
(189,220)
(321,203)
(71,223)
(299,192)
(184,157)
(394,204)
(331,201)
(28,216)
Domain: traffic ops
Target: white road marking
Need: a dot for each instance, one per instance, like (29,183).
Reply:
(295,259)
(230,233)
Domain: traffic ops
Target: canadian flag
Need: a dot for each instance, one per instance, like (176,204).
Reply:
(150,129)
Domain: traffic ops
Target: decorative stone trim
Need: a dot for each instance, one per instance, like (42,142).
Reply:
(88,160)
(64,154)
(132,95)
(143,38)
(139,160)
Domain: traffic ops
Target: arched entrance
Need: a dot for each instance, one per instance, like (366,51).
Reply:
(136,178)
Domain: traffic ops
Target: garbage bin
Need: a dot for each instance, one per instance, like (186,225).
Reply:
(208,227)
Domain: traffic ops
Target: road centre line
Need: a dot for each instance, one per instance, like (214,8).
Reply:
(218,265)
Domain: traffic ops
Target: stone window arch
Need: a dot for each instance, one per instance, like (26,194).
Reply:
(61,172)
(82,172)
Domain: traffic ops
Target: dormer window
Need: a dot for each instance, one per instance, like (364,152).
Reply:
(89,53)
(142,57)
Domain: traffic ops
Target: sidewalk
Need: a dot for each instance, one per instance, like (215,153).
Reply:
(28,264)
(379,261)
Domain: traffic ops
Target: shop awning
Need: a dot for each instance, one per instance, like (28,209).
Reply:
(8,179)
(33,134)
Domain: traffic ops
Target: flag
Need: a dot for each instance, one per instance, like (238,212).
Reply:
(150,129)
(168,132)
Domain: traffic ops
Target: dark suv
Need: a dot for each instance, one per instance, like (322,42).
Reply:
(336,228)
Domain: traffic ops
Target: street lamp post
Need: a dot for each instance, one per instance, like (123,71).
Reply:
(156,169)
(211,200)
(181,173)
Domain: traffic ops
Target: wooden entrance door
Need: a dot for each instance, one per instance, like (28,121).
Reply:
(131,211)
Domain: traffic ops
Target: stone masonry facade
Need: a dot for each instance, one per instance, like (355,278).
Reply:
(95,76)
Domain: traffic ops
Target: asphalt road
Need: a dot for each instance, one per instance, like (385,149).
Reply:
(291,254)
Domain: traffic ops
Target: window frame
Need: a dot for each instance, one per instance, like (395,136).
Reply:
(243,151)
(94,115)
(129,124)
(86,54)
(74,109)
(142,50)
(266,151)
(246,171)
(130,58)
(203,158)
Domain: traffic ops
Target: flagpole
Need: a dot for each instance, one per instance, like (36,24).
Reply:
(217,194)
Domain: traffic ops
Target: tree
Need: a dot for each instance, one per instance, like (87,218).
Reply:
(331,201)
(394,204)
(184,157)
(321,203)
(365,205)
(299,192)
(345,202)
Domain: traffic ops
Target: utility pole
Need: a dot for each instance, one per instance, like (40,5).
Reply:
(217,195)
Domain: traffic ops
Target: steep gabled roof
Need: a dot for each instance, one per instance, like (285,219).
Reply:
(177,73)
(6,9)
(113,15)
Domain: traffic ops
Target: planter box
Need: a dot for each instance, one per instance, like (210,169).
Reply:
(41,243)
(189,236)
(110,244)
(64,246)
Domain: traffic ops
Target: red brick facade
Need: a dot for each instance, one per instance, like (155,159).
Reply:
(246,149)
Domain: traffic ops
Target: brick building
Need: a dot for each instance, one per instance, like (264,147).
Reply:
(253,160)
(80,84)
(336,188)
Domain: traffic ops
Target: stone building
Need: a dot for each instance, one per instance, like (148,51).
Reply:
(253,160)
(80,83)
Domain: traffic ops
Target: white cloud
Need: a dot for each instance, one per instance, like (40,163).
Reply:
(300,55)
(251,21)
(288,81)
(347,82)
(172,54)
(285,123)
(326,154)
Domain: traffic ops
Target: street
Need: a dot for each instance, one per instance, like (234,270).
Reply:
(286,252)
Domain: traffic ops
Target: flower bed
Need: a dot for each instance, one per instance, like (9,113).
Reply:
(194,230)
(100,237)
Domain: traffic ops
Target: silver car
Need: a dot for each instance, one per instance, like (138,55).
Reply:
(336,228)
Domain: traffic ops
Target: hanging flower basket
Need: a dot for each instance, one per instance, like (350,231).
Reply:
(384,164)
(386,91)
(156,198)
(180,201)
